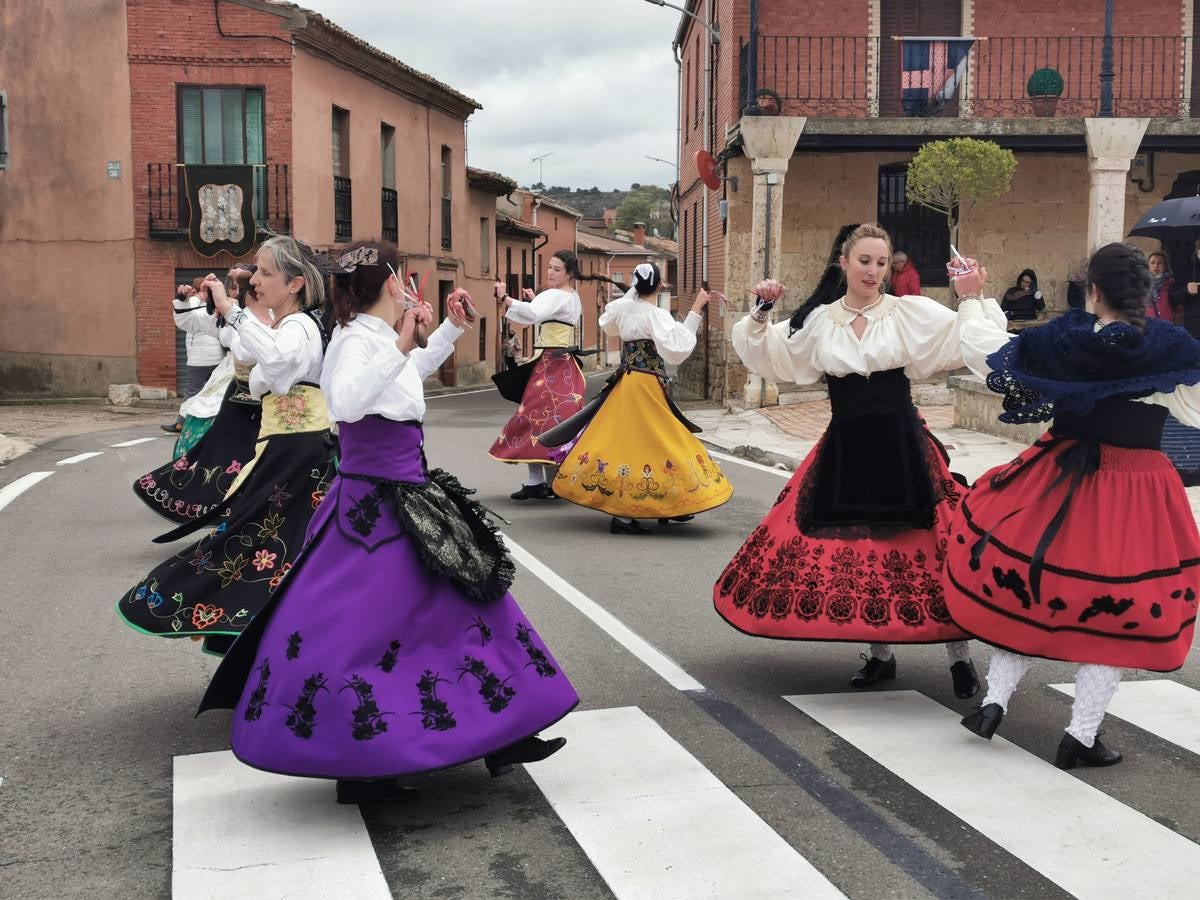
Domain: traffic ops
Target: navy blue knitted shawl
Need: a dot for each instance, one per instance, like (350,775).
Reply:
(1066,365)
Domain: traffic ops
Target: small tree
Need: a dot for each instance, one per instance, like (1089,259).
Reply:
(952,176)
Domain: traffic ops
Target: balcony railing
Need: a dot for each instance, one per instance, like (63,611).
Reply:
(390,213)
(855,76)
(169,211)
(342,218)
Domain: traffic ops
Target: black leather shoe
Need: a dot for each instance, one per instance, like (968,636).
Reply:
(875,670)
(174,427)
(351,791)
(966,682)
(532,749)
(675,519)
(534,492)
(1071,752)
(985,720)
(616,526)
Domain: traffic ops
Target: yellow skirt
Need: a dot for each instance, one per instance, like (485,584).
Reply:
(636,459)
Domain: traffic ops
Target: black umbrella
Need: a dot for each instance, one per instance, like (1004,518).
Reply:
(1170,220)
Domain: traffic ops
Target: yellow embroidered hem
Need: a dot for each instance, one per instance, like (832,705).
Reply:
(636,459)
(301,409)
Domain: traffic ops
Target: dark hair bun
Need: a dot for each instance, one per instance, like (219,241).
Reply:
(1122,276)
(645,286)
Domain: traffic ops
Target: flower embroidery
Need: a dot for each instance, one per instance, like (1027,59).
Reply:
(232,570)
(200,560)
(269,529)
(583,458)
(147,482)
(155,600)
(234,468)
(264,560)
(205,616)
(293,409)
(279,575)
(646,471)
(181,463)
(317,497)
(670,466)
(279,497)
(623,470)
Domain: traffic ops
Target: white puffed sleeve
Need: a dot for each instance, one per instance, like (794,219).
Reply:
(1183,403)
(283,354)
(192,316)
(767,350)
(673,340)
(437,348)
(983,329)
(610,319)
(932,335)
(361,369)
(545,306)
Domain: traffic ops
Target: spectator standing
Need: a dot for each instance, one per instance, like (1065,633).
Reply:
(906,282)
(204,352)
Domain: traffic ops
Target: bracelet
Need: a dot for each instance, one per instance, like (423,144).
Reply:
(762,310)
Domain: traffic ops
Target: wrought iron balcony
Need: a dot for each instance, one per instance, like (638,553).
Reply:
(342,209)
(390,214)
(168,210)
(855,76)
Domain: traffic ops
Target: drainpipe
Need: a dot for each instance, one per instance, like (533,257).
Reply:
(708,55)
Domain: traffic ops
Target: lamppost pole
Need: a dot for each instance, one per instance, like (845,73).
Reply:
(1106,63)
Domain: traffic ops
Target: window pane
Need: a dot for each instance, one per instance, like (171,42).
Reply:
(190,125)
(232,125)
(212,126)
(387,155)
(255,148)
(337,142)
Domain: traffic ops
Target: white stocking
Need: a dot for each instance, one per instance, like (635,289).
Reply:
(1005,671)
(537,474)
(1094,689)
(881,651)
(958,651)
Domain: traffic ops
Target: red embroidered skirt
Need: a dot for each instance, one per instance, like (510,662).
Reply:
(554,392)
(848,584)
(1119,580)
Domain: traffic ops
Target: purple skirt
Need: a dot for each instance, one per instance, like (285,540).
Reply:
(370,662)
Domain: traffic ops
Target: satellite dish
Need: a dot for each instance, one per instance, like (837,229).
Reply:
(707,167)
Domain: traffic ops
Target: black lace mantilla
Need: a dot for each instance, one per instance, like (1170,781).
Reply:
(1067,365)
(451,533)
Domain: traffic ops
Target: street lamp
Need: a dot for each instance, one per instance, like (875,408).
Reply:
(667,161)
(714,29)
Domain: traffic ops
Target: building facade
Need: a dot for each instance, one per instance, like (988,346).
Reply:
(814,110)
(343,141)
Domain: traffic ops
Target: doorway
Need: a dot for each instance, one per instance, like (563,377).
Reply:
(911,18)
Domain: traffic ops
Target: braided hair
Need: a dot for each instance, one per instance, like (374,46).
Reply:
(1122,277)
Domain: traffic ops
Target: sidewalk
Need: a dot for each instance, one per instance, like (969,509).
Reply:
(25,426)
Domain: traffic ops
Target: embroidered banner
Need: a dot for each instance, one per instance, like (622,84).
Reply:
(221,201)
(931,70)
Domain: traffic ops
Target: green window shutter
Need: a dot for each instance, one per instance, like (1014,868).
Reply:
(255,151)
(213,153)
(232,128)
(191,123)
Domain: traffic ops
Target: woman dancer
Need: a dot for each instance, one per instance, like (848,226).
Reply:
(199,475)
(636,457)
(394,646)
(215,587)
(1084,547)
(852,550)
(551,385)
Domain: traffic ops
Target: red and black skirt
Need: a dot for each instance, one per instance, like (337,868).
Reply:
(553,391)
(1080,551)
(853,548)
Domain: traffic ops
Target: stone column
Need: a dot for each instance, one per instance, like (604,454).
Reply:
(769,142)
(1111,145)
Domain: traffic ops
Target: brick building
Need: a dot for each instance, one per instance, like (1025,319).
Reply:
(345,142)
(811,105)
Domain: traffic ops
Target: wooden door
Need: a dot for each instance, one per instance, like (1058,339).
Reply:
(910,18)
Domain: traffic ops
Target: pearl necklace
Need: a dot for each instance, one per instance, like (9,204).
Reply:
(855,312)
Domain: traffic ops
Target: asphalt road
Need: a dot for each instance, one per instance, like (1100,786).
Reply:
(92,714)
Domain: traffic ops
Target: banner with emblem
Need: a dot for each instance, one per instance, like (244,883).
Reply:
(221,201)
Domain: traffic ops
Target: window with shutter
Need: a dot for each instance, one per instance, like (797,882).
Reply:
(910,18)
(224,126)
(920,232)
(3,130)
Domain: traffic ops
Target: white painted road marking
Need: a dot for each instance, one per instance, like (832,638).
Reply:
(134,442)
(1073,834)
(1165,708)
(662,664)
(239,832)
(71,460)
(656,823)
(11,492)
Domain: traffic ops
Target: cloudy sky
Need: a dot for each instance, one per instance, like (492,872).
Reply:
(591,82)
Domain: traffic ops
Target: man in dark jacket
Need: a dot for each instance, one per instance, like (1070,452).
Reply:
(1186,294)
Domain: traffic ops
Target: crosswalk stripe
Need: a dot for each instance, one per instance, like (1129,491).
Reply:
(11,492)
(239,832)
(134,442)
(71,460)
(1163,707)
(656,823)
(1073,834)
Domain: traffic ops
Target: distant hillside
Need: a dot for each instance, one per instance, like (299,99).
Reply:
(593,201)
(646,203)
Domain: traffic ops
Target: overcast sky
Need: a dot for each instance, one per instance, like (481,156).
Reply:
(592,81)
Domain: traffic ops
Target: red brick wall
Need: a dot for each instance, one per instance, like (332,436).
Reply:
(172,43)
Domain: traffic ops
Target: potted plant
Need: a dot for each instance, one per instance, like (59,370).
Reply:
(1044,87)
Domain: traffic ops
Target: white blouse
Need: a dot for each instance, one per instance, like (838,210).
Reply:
(206,402)
(633,319)
(366,373)
(283,356)
(983,334)
(914,333)
(553,304)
